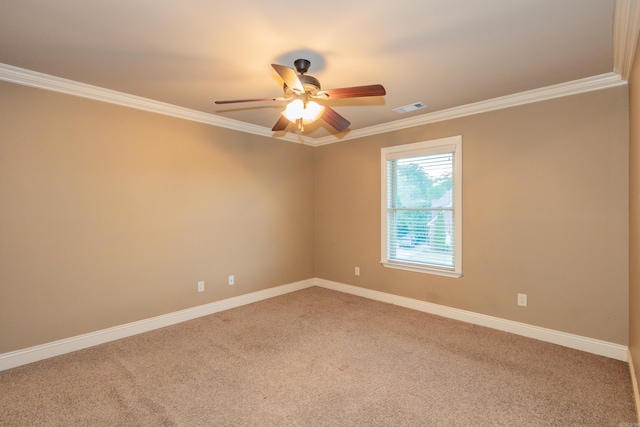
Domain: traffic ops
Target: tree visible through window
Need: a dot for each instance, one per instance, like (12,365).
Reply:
(422,197)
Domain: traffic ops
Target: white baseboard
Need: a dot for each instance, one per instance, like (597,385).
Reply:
(590,345)
(634,381)
(56,348)
(67,345)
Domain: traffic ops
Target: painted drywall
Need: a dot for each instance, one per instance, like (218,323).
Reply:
(634,213)
(110,215)
(545,213)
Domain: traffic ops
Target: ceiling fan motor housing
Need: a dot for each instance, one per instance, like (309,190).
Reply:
(309,83)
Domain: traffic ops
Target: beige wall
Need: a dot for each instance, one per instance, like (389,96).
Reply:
(545,214)
(110,215)
(634,213)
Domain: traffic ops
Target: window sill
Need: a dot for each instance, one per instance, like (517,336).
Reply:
(421,269)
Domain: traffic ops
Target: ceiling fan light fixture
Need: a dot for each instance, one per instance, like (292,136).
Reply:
(312,112)
(297,110)
(294,110)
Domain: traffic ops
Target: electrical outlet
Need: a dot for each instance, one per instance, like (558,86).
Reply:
(201,286)
(357,271)
(232,280)
(522,300)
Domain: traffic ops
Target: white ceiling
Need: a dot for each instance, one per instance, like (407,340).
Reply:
(189,53)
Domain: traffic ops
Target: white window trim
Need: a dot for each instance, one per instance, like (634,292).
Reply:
(414,150)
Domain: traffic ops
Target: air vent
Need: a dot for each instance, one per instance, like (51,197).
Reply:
(410,107)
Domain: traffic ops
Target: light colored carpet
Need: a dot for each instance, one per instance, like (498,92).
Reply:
(320,358)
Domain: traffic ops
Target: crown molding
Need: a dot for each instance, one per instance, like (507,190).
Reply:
(26,77)
(35,79)
(626,25)
(588,84)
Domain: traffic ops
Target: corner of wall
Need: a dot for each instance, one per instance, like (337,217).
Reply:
(634,381)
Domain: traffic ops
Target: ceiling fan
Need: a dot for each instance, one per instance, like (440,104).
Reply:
(303,90)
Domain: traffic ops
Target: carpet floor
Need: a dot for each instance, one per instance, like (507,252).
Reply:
(317,357)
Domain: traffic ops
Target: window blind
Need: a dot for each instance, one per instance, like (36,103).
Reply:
(420,207)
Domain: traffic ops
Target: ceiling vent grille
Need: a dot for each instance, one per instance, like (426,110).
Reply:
(410,107)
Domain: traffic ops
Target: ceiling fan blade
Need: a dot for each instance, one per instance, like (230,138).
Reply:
(289,76)
(281,124)
(334,119)
(233,101)
(356,91)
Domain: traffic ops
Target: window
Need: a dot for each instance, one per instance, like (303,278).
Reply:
(422,206)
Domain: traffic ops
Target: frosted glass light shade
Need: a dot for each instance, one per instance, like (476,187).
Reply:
(312,112)
(297,110)
(294,110)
